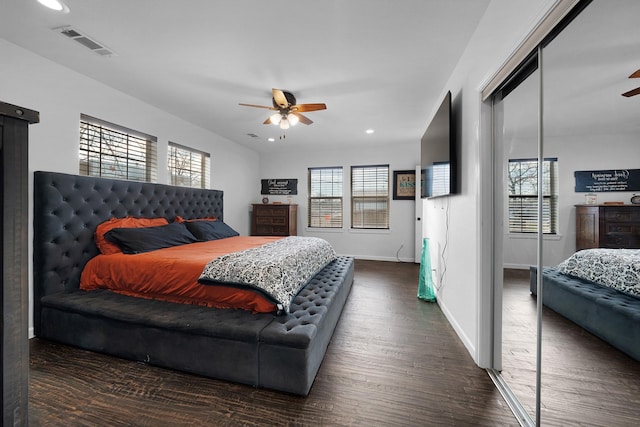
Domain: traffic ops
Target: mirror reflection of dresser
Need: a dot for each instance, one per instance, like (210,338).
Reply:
(607,226)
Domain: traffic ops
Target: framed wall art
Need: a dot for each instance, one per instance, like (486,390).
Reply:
(404,185)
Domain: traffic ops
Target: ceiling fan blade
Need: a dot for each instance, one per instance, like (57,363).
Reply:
(258,106)
(303,119)
(635,75)
(267,122)
(309,107)
(633,92)
(280,98)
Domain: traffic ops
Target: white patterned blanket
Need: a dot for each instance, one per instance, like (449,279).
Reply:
(278,269)
(616,268)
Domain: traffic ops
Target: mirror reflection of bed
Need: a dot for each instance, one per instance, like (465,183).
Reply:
(582,374)
(598,289)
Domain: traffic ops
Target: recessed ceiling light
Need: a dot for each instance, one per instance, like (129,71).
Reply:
(271,139)
(56,5)
(369,131)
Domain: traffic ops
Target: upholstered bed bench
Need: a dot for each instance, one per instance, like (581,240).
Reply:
(607,313)
(280,352)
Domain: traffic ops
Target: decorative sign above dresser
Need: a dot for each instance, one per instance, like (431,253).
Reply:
(279,187)
(607,180)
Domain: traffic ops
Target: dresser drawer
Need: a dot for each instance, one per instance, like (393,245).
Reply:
(621,215)
(269,211)
(271,220)
(621,241)
(270,230)
(619,227)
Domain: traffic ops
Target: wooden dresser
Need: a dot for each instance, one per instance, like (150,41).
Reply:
(274,220)
(607,226)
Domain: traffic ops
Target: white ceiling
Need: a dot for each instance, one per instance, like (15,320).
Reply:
(586,69)
(379,64)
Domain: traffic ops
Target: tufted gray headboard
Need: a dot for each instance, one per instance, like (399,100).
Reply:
(68,208)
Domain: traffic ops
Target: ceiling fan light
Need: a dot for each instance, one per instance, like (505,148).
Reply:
(284,123)
(56,5)
(293,119)
(275,119)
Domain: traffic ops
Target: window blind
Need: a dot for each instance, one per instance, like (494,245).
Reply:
(370,196)
(325,197)
(188,167)
(523,196)
(113,151)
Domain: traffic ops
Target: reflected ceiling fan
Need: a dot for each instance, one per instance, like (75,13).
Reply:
(635,91)
(288,112)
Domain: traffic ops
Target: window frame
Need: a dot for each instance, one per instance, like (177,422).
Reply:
(325,202)
(109,136)
(358,198)
(525,218)
(204,169)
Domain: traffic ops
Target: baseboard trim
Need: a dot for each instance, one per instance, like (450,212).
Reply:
(381,258)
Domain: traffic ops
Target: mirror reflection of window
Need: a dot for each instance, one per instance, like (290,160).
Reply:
(522,187)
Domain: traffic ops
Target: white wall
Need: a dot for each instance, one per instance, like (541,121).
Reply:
(61,95)
(395,244)
(455,224)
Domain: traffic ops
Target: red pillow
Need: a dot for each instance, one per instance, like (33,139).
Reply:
(108,248)
(180,219)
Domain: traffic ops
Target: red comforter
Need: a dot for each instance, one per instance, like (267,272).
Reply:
(171,274)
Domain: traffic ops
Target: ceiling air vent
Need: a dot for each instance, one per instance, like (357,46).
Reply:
(85,41)
(252,135)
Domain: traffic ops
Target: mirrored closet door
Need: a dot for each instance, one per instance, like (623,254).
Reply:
(589,126)
(515,184)
(572,90)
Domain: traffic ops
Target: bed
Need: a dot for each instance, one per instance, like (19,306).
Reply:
(599,289)
(280,350)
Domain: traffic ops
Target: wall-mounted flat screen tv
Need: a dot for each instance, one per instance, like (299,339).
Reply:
(438,154)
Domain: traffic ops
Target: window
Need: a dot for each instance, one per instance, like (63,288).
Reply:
(188,167)
(325,197)
(113,151)
(370,196)
(523,196)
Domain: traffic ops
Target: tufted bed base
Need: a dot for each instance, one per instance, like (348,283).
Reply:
(607,313)
(282,353)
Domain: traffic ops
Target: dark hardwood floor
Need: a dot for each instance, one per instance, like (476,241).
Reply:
(394,361)
(585,381)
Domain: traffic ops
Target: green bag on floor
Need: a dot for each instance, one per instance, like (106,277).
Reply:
(425,283)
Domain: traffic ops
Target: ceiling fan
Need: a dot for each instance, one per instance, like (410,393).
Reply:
(635,91)
(288,112)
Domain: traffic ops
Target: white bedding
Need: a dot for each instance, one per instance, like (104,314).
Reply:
(616,268)
(278,269)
